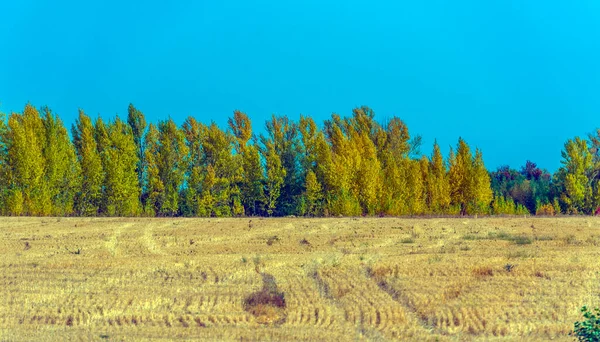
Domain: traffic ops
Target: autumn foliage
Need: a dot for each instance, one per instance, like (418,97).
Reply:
(349,166)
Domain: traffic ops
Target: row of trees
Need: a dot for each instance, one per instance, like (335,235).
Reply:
(573,189)
(350,166)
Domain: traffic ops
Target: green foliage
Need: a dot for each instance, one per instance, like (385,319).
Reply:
(249,177)
(283,135)
(137,121)
(314,195)
(119,160)
(352,166)
(166,159)
(62,171)
(88,198)
(589,329)
(275,176)
(577,177)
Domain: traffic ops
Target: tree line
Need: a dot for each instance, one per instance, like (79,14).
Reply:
(348,166)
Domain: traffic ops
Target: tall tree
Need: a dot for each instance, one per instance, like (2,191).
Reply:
(282,133)
(439,189)
(222,171)
(89,197)
(137,122)
(4,166)
(119,160)
(249,177)
(61,168)
(194,132)
(167,157)
(482,193)
(28,193)
(461,184)
(275,177)
(576,177)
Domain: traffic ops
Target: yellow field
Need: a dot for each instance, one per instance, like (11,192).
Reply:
(296,279)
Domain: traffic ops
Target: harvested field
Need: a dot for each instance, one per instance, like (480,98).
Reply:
(336,279)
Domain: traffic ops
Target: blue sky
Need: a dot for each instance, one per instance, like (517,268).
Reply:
(514,78)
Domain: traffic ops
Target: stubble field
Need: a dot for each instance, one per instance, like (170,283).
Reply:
(335,279)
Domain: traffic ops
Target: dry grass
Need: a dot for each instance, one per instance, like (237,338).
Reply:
(296,279)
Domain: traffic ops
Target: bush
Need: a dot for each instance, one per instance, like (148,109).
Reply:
(545,209)
(588,330)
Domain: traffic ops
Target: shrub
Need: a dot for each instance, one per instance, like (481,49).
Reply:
(545,209)
(588,330)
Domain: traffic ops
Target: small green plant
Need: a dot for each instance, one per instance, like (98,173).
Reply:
(408,240)
(522,240)
(588,330)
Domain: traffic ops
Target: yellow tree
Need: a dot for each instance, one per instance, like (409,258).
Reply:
(28,194)
(439,189)
(459,176)
(482,192)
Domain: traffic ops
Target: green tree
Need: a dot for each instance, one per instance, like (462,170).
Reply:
(166,158)
(275,176)
(137,122)
(119,160)
(62,172)
(194,133)
(155,188)
(89,197)
(576,177)
(4,166)
(282,133)
(249,178)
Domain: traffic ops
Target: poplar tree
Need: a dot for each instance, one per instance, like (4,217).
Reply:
(575,175)
(460,180)
(155,188)
(222,168)
(119,160)
(482,192)
(137,122)
(194,132)
(282,133)
(89,196)
(275,177)
(394,147)
(249,175)
(62,172)
(311,202)
(167,161)
(439,189)
(26,141)
(4,166)
(344,166)
(313,194)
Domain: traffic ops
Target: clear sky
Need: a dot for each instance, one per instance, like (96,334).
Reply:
(514,78)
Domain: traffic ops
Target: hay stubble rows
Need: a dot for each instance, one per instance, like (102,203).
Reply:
(296,279)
